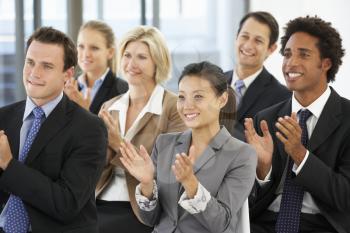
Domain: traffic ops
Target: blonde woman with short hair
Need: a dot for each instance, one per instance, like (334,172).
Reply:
(138,116)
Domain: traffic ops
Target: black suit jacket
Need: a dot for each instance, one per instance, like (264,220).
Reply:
(111,87)
(262,93)
(57,180)
(326,173)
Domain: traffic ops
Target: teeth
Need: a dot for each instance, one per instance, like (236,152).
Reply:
(294,75)
(247,53)
(191,116)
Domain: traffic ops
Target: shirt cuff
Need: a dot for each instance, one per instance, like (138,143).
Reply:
(266,180)
(198,203)
(296,169)
(143,202)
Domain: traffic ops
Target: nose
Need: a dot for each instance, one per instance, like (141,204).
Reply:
(188,103)
(131,63)
(291,60)
(86,52)
(35,72)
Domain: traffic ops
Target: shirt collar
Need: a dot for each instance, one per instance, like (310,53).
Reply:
(248,80)
(82,79)
(315,107)
(154,104)
(47,108)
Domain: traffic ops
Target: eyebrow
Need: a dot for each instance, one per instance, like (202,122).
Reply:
(300,50)
(196,91)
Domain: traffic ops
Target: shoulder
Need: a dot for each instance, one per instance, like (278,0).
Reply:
(121,84)
(109,102)
(169,101)
(11,110)
(82,118)
(228,76)
(12,107)
(274,109)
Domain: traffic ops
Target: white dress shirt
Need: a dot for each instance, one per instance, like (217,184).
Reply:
(247,81)
(117,189)
(95,88)
(308,206)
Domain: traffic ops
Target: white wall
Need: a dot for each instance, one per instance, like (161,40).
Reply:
(335,11)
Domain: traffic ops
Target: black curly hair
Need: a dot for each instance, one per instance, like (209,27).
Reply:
(329,44)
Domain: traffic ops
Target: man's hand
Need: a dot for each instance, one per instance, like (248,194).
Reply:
(290,135)
(5,151)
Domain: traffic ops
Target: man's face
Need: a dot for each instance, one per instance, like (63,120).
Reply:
(43,74)
(303,69)
(252,44)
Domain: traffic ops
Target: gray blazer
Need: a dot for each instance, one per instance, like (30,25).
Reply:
(226,169)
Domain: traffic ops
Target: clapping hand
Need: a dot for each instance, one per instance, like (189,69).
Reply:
(139,165)
(5,151)
(290,135)
(113,129)
(183,171)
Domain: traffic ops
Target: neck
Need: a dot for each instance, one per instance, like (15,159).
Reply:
(308,97)
(139,95)
(244,72)
(91,77)
(201,137)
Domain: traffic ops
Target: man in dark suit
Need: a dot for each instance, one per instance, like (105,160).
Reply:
(256,89)
(51,150)
(303,172)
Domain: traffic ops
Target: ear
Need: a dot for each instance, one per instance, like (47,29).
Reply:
(326,64)
(111,52)
(69,73)
(223,99)
(272,49)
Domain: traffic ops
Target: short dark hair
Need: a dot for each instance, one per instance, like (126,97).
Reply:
(50,35)
(208,71)
(329,40)
(264,18)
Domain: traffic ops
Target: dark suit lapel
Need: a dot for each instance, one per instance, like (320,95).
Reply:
(253,93)
(102,93)
(50,127)
(330,119)
(13,132)
(284,111)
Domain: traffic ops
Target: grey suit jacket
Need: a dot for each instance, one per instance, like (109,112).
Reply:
(226,169)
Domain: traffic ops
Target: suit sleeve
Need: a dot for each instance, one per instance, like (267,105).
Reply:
(333,186)
(62,198)
(223,208)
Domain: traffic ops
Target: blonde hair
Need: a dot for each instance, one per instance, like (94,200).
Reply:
(158,48)
(108,34)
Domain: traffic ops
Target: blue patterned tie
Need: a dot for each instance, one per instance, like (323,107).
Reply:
(17,220)
(239,85)
(292,196)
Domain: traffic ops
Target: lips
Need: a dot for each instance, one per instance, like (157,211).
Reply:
(35,82)
(247,53)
